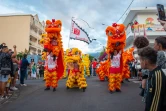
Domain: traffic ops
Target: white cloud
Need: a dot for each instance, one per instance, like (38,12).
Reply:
(6,10)
(43,16)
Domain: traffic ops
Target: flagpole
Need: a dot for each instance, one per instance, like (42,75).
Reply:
(69,42)
(69,34)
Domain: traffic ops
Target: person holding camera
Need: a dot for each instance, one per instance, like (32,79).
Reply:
(163,23)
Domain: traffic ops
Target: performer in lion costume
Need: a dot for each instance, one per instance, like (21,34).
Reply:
(115,48)
(53,54)
(76,70)
(65,74)
(86,62)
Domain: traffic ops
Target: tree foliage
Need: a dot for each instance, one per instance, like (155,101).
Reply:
(91,57)
(21,54)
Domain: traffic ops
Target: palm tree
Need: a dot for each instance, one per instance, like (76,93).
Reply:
(21,54)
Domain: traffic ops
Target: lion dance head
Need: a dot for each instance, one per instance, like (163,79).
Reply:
(116,37)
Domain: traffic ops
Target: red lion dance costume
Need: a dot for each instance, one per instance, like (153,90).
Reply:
(53,52)
(116,41)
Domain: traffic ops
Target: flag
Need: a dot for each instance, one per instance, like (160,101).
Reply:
(77,33)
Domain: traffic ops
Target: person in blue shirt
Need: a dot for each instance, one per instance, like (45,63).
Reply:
(23,69)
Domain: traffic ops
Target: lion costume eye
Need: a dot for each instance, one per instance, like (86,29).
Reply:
(110,33)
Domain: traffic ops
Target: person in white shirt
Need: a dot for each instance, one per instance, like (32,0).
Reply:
(115,77)
(50,72)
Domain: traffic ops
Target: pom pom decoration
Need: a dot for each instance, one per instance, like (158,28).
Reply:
(114,25)
(86,62)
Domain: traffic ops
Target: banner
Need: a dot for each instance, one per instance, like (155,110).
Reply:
(77,33)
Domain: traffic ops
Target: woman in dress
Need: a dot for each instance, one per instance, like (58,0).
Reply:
(33,70)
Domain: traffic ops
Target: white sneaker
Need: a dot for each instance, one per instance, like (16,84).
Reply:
(24,85)
(6,97)
(21,84)
(3,97)
(14,88)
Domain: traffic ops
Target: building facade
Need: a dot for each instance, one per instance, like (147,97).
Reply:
(142,22)
(22,30)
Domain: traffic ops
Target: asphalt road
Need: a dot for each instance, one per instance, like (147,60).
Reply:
(95,98)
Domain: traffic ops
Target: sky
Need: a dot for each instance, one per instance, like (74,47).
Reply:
(94,12)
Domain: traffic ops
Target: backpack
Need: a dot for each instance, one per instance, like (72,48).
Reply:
(4,71)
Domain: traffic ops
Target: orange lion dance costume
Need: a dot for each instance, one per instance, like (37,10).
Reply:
(102,70)
(127,57)
(116,41)
(53,54)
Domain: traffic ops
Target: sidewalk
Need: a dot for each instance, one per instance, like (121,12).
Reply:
(13,94)
(32,85)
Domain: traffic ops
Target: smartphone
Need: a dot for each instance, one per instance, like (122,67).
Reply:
(161,12)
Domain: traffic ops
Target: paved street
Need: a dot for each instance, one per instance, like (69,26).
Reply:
(96,98)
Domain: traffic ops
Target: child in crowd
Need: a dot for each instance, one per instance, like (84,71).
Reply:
(156,85)
(141,42)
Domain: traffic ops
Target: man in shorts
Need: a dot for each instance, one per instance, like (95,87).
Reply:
(5,62)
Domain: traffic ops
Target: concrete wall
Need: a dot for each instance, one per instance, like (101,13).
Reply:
(15,30)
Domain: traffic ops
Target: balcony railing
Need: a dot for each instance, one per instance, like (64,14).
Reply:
(38,25)
(33,43)
(35,34)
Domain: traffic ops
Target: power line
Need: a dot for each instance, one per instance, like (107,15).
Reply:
(126,10)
